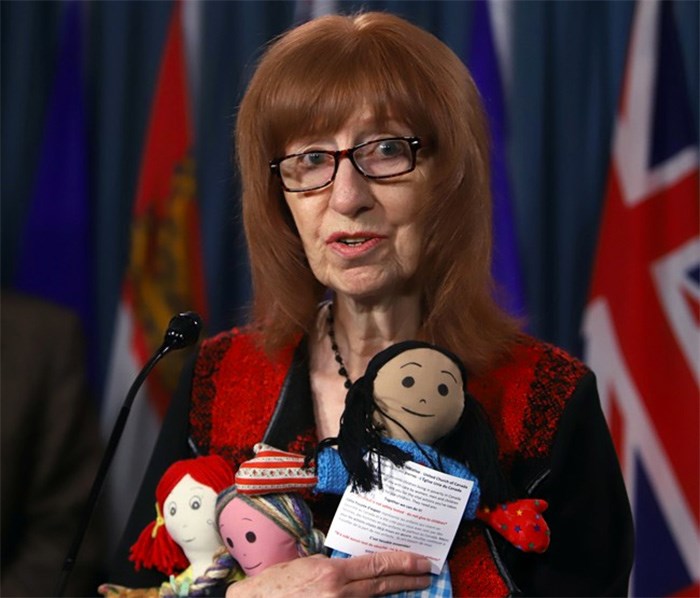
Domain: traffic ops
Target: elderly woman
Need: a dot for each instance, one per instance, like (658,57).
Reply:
(363,151)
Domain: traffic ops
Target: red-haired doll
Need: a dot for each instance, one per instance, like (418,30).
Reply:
(183,541)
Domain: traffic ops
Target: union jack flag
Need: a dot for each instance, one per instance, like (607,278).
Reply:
(642,323)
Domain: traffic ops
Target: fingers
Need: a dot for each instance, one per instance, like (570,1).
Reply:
(111,590)
(382,564)
(318,575)
(386,585)
(386,573)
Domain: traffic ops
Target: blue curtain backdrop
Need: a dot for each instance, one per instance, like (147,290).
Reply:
(567,65)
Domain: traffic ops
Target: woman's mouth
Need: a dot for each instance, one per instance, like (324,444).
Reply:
(353,242)
(353,245)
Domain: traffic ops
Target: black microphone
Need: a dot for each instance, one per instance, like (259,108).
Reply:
(183,331)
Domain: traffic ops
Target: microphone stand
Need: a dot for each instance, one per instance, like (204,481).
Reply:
(175,338)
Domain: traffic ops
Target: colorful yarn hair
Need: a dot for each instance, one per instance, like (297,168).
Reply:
(224,568)
(288,510)
(155,548)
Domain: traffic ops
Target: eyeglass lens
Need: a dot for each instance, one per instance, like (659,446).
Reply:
(376,159)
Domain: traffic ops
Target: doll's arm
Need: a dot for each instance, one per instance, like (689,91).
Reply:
(333,478)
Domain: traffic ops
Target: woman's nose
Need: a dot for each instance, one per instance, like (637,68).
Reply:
(350,191)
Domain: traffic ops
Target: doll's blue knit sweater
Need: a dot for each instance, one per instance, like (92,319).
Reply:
(333,478)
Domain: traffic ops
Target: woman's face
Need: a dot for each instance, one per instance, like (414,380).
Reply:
(189,512)
(362,237)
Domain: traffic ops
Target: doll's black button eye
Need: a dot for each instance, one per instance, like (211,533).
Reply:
(408,381)
(229,542)
(443,390)
(250,536)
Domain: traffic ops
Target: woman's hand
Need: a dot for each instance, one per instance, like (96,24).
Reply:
(319,576)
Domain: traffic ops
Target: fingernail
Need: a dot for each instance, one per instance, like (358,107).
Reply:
(424,566)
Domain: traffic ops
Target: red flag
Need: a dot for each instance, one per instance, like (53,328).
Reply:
(163,277)
(642,323)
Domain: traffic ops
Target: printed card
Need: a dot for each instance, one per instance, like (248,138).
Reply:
(417,510)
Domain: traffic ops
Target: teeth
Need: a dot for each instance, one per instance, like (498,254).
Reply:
(353,242)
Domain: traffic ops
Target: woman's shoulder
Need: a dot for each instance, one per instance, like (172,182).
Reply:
(532,364)
(235,388)
(242,346)
(224,340)
(526,393)
(543,358)
(235,361)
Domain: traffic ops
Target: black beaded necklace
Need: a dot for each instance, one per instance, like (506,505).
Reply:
(334,345)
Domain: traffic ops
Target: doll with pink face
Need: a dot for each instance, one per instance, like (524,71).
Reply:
(262,530)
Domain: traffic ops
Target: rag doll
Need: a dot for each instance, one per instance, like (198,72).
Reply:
(412,404)
(183,541)
(263,530)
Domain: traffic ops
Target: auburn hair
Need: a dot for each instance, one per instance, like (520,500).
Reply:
(310,81)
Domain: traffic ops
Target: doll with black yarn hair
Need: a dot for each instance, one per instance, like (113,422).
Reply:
(412,404)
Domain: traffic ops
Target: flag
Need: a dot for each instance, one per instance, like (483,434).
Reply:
(54,257)
(642,321)
(484,66)
(163,276)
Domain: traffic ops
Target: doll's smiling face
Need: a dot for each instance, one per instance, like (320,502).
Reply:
(423,390)
(253,539)
(188,512)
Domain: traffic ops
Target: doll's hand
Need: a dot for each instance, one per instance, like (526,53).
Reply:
(110,590)
(367,575)
(520,522)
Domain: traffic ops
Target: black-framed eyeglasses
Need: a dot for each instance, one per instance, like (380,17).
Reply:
(376,159)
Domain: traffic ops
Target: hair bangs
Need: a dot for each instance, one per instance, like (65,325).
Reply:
(325,86)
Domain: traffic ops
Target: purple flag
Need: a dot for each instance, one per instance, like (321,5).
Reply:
(54,260)
(483,64)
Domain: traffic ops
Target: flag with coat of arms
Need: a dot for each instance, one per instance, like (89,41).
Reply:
(642,321)
(164,276)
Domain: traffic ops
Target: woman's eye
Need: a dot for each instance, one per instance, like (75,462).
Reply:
(313,159)
(388,148)
(443,389)
(408,381)
(251,537)
(195,503)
